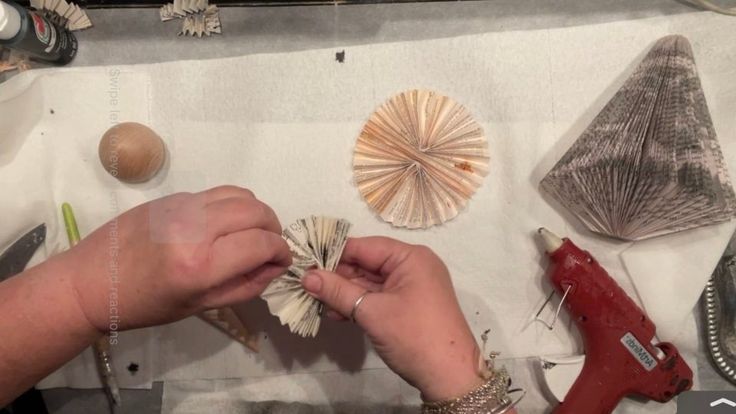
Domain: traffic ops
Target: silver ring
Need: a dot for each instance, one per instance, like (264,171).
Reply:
(355,306)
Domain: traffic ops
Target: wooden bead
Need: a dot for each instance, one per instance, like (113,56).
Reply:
(132,152)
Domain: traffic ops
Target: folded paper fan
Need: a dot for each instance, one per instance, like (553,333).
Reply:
(650,163)
(63,13)
(226,320)
(315,242)
(198,17)
(419,159)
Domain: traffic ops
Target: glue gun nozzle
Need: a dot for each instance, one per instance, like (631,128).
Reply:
(551,241)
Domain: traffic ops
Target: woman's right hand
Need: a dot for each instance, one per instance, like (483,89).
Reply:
(411,314)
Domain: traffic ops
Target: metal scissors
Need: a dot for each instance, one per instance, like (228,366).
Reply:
(16,257)
(14,261)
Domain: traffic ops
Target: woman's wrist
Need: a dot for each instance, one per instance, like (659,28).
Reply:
(59,274)
(491,393)
(453,378)
(447,386)
(40,309)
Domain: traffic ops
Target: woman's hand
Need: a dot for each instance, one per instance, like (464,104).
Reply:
(411,313)
(175,256)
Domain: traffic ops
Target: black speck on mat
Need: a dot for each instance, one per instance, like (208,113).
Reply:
(133,368)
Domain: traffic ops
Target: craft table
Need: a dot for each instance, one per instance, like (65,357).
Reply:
(130,36)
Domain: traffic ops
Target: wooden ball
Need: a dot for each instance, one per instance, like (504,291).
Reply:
(132,152)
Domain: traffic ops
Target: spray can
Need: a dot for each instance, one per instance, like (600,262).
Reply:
(31,33)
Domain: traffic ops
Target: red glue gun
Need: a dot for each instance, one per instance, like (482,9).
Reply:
(620,356)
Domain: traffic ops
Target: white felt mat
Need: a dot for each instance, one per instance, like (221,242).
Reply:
(284,125)
(379,387)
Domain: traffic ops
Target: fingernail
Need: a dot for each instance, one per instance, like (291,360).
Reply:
(312,282)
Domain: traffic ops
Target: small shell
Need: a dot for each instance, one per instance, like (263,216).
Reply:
(419,159)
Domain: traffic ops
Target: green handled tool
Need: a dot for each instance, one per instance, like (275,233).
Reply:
(102,346)
(72,231)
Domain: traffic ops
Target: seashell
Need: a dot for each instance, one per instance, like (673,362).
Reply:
(226,320)
(650,163)
(419,159)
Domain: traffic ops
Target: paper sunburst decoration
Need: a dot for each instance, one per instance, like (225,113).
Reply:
(419,159)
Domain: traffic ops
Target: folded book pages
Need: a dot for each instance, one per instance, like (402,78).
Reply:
(419,159)
(198,17)
(63,13)
(650,163)
(315,242)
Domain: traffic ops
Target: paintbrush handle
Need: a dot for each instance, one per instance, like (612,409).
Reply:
(104,366)
(102,345)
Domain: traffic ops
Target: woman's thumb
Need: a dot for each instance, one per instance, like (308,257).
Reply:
(333,289)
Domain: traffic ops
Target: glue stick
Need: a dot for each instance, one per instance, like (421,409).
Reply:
(31,33)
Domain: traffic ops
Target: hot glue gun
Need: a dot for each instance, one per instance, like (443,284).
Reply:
(621,357)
